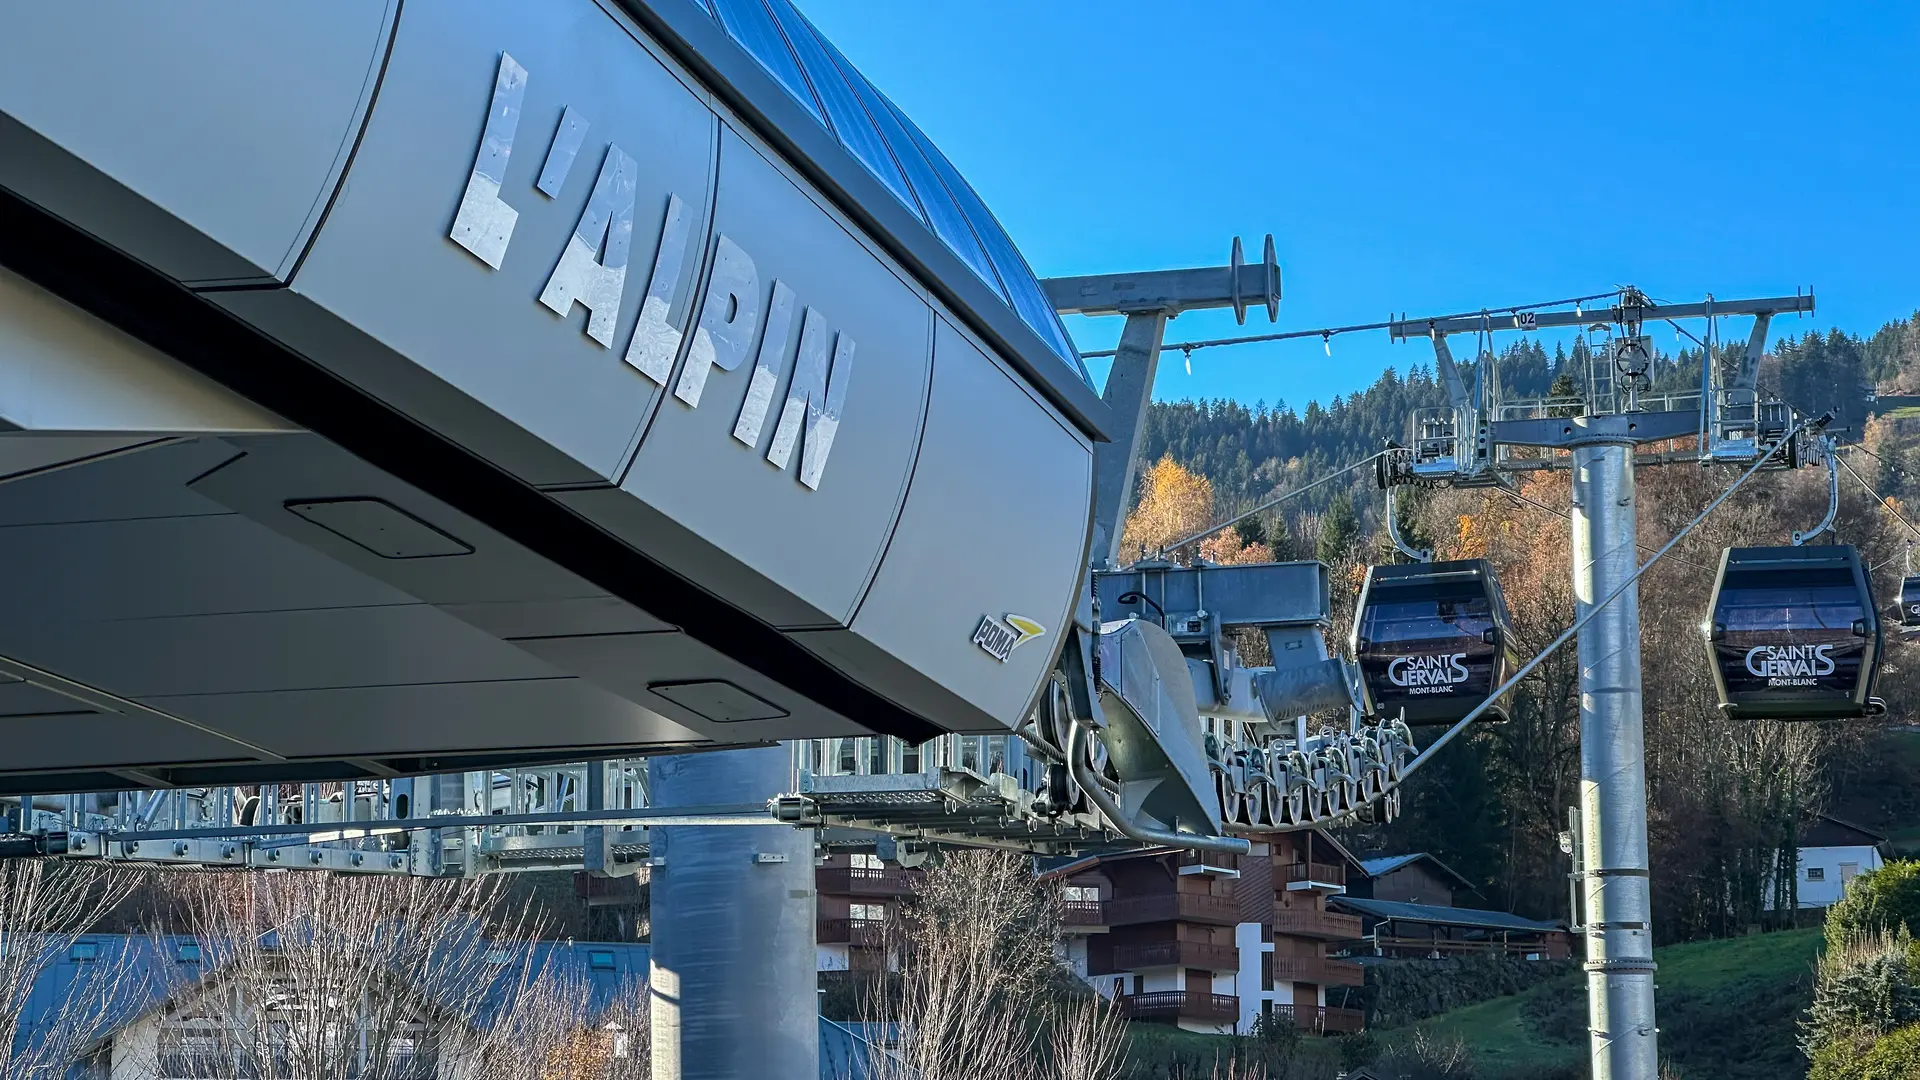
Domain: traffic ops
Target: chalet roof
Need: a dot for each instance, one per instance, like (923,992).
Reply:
(1829,831)
(1465,918)
(155,971)
(1060,868)
(147,973)
(1386,864)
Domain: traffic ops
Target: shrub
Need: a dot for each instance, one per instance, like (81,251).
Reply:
(1867,987)
(1407,991)
(1426,1057)
(1883,899)
(1895,1056)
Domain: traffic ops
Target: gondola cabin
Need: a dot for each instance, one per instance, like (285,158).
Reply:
(1910,603)
(1432,639)
(1793,634)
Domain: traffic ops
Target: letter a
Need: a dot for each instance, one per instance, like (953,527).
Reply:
(593,269)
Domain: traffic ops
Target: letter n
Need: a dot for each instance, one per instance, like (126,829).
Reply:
(816,393)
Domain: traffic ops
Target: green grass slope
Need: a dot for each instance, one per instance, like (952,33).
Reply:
(1727,1010)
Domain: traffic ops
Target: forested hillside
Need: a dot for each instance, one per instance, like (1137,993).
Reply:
(1726,798)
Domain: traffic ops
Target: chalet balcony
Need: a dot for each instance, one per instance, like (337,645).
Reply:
(1184,954)
(866,881)
(1312,877)
(1319,970)
(859,933)
(1174,907)
(1083,913)
(1208,863)
(1317,925)
(1172,1006)
(1322,1021)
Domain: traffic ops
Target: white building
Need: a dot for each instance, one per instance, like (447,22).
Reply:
(1832,853)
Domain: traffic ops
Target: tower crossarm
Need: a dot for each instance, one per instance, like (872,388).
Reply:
(1587,316)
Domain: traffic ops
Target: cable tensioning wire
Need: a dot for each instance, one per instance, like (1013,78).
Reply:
(1567,634)
(1270,503)
(1882,500)
(1329,331)
(1562,514)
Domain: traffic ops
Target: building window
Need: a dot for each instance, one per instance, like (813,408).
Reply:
(600,959)
(1266,971)
(868,912)
(1081,892)
(194,1048)
(864,861)
(1816,873)
(84,951)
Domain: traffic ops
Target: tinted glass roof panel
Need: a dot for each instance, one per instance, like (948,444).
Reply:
(749,24)
(849,118)
(941,212)
(1028,298)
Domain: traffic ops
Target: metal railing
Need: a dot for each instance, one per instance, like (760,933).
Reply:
(1552,948)
(866,881)
(1324,1021)
(1325,873)
(1169,907)
(1169,1006)
(860,933)
(1083,913)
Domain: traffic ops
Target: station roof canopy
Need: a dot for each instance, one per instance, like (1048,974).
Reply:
(1433,915)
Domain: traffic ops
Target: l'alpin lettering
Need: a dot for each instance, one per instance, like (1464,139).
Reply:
(592,272)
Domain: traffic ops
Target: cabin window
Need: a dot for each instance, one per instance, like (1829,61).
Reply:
(1816,873)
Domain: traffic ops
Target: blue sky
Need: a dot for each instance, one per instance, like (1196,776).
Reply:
(1424,157)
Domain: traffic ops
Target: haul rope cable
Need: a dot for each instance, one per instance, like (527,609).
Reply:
(1326,333)
(1569,517)
(1273,502)
(1885,504)
(1567,635)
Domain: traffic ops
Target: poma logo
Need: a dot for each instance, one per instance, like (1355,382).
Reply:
(1797,663)
(999,637)
(592,272)
(1436,674)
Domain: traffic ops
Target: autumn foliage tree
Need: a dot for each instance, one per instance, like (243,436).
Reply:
(1175,503)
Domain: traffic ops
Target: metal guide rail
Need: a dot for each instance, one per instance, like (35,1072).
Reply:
(955,790)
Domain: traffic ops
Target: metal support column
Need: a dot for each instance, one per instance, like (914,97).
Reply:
(1128,392)
(733,957)
(1613,783)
